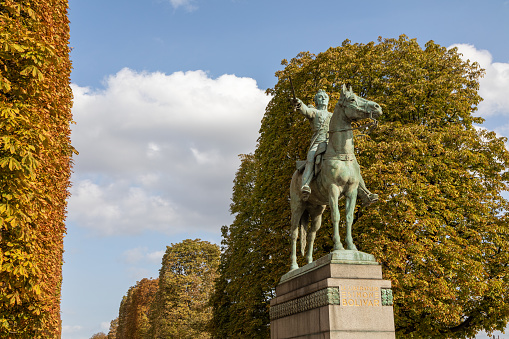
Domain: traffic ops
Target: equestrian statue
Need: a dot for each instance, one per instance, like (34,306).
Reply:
(330,171)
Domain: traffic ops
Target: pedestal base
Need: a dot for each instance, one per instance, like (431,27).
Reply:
(341,295)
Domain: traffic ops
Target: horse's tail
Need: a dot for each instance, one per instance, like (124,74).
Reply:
(304,220)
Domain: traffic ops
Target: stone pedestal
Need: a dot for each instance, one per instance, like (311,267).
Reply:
(341,295)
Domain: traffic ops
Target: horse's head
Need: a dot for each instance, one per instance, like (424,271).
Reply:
(357,108)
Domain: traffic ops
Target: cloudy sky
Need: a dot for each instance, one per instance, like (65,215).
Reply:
(168,93)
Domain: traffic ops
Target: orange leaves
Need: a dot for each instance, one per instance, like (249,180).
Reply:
(133,322)
(176,304)
(35,101)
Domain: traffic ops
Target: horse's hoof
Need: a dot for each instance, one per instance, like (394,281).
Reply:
(293,267)
(351,247)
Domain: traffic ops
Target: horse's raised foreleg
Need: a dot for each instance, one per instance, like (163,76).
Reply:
(333,203)
(350,199)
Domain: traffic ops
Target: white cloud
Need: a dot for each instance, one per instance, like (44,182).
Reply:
(153,150)
(203,158)
(105,326)
(494,85)
(159,152)
(118,207)
(142,255)
(187,4)
(155,257)
(66,329)
(139,260)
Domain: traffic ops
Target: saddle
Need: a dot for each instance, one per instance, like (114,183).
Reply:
(301,164)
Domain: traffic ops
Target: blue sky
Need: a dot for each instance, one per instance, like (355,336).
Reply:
(169,92)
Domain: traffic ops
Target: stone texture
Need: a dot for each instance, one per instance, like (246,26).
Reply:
(334,297)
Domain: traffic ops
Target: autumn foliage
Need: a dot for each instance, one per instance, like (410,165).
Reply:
(440,229)
(133,322)
(35,164)
(186,280)
(176,305)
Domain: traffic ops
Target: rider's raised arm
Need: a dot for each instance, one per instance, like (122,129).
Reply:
(308,112)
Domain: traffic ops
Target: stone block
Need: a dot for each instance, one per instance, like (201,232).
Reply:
(341,295)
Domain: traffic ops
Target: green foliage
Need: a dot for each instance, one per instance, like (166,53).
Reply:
(244,286)
(133,320)
(100,335)
(181,308)
(440,228)
(35,160)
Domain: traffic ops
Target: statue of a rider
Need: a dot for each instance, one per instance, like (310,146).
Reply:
(319,118)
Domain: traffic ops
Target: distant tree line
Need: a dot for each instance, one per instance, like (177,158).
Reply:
(175,305)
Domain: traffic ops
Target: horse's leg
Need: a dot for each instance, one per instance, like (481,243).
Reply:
(296,216)
(333,203)
(304,222)
(350,199)
(316,222)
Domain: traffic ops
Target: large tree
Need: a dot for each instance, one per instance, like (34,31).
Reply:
(440,229)
(186,280)
(35,161)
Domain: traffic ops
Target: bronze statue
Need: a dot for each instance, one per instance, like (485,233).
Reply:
(319,118)
(339,173)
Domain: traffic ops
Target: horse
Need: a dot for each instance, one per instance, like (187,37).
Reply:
(339,177)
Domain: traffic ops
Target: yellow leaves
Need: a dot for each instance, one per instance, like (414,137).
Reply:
(14,48)
(34,71)
(9,113)
(5,85)
(31,13)
(14,299)
(14,164)
(186,281)
(34,120)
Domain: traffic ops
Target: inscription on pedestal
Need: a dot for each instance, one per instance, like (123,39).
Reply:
(346,295)
(360,296)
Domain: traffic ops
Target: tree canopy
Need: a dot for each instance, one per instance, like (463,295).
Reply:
(440,228)
(133,322)
(186,280)
(112,332)
(35,164)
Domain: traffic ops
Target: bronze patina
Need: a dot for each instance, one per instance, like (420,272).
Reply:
(340,173)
